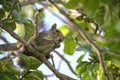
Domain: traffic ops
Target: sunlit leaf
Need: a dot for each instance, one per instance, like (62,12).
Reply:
(69,46)
(116,62)
(64,29)
(100,74)
(20,30)
(82,68)
(86,76)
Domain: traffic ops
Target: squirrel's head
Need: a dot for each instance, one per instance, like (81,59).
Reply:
(57,34)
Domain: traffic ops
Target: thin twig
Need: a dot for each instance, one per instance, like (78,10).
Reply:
(60,62)
(36,28)
(51,57)
(4,39)
(49,75)
(58,68)
(11,10)
(66,61)
(71,23)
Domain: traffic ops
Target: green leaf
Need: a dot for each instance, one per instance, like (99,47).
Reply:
(10,25)
(116,62)
(19,17)
(8,6)
(2,13)
(88,9)
(86,48)
(34,75)
(5,77)
(29,30)
(80,58)
(69,46)
(82,67)
(34,63)
(86,76)
(72,4)
(42,15)
(107,1)
(100,73)
(29,62)
(8,76)
(64,29)
(24,61)
(9,71)
(20,29)
(12,68)
(81,23)
(88,68)
(114,46)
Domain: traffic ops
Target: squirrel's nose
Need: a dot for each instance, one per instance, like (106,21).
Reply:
(61,39)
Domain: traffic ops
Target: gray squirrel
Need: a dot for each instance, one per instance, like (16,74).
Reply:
(45,42)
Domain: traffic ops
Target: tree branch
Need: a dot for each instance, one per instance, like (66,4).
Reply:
(73,26)
(42,58)
(8,47)
(37,54)
(4,39)
(66,61)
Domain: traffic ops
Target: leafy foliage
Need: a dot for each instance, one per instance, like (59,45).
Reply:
(5,72)
(105,14)
(25,28)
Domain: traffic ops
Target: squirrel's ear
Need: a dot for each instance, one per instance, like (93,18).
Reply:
(54,26)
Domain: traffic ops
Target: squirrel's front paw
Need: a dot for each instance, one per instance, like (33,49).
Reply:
(56,44)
